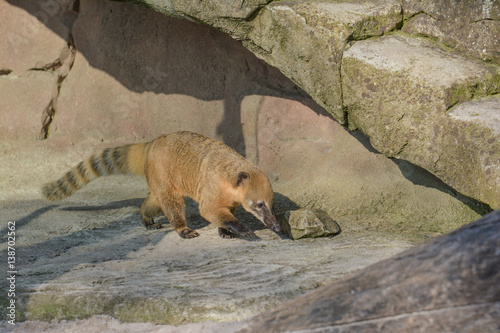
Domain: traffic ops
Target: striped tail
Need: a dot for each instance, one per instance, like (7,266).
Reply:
(118,160)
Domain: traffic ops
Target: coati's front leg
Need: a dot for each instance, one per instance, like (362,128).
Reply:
(227,223)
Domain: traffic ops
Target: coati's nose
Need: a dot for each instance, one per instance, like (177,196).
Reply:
(276,228)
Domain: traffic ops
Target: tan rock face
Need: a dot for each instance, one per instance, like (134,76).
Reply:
(33,33)
(126,85)
(34,59)
(24,100)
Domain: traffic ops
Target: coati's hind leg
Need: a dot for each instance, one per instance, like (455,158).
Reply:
(149,210)
(174,209)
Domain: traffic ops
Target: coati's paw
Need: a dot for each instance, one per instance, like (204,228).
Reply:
(188,233)
(226,234)
(153,226)
(235,227)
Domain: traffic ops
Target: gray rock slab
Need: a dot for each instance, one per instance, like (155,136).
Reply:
(484,112)
(448,284)
(305,40)
(393,93)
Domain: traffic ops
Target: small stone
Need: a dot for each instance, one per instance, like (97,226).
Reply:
(308,223)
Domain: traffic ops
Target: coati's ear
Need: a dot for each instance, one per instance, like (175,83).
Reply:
(242,176)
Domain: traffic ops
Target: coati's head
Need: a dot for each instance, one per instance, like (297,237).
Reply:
(256,197)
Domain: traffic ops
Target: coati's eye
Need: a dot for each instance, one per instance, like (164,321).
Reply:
(260,204)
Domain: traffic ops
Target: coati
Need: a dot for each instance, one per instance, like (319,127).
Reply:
(178,165)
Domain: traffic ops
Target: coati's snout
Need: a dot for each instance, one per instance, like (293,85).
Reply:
(258,198)
(271,221)
(265,213)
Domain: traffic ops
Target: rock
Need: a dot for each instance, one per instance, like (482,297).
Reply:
(449,284)
(317,163)
(307,223)
(175,83)
(470,26)
(392,93)
(35,57)
(90,255)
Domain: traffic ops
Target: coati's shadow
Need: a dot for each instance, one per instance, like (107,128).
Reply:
(194,220)
(137,202)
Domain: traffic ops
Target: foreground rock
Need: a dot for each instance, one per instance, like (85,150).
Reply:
(448,285)
(307,223)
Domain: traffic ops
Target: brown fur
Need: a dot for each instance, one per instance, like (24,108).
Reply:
(178,165)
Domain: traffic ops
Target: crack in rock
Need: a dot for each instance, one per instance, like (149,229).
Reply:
(61,66)
(5,71)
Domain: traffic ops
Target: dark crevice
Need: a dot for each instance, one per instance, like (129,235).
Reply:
(47,117)
(345,114)
(399,25)
(406,19)
(257,11)
(485,19)
(62,66)
(48,67)
(5,71)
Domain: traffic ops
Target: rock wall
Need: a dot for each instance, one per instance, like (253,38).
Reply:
(108,72)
